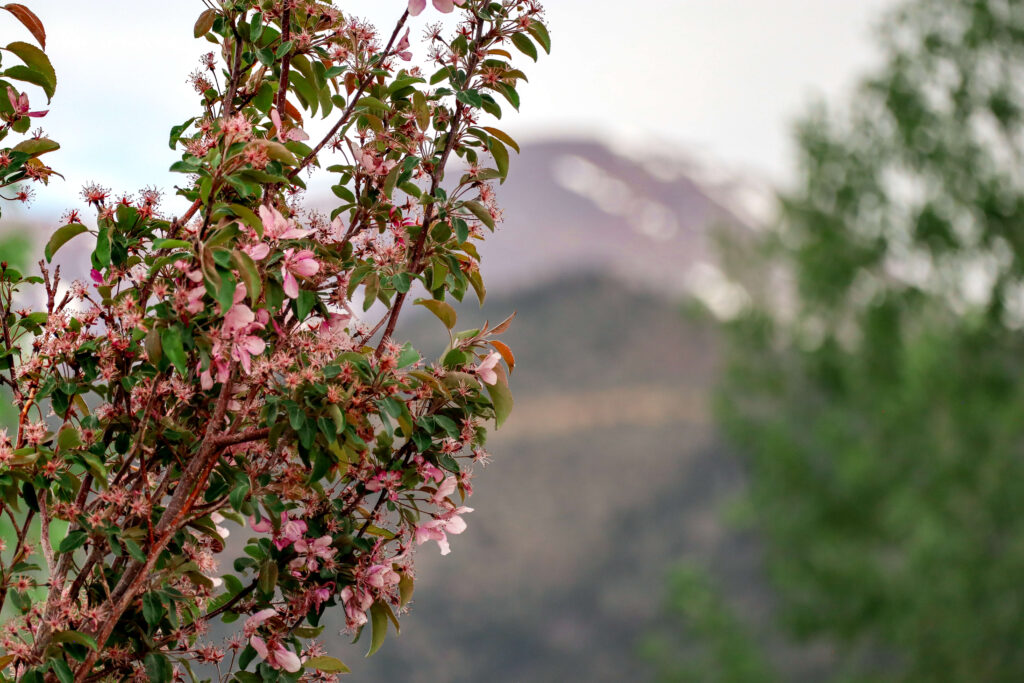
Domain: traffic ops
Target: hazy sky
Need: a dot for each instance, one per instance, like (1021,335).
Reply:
(721,78)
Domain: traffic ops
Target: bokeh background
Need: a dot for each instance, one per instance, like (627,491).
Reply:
(768,263)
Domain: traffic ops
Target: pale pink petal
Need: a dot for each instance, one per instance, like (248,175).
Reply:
(446,489)
(456,525)
(255,620)
(291,285)
(416,6)
(237,317)
(253,345)
(444,5)
(260,646)
(288,660)
(294,234)
(258,252)
(306,267)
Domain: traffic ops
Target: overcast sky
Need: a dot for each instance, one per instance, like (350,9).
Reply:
(719,78)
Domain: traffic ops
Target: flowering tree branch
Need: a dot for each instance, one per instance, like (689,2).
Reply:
(217,369)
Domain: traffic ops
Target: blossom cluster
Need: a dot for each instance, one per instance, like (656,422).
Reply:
(238,364)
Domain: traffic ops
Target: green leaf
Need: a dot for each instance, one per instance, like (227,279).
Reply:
(328,665)
(525,45)
(379,624)
(36,60)
(171,244)
(158,667)
(442,310)
(61,236)
(174,349)
(29,75)
(401,282)
(249,273)
(204,23)
(470,98)
(238,495)
(68,438)
(405,589)
(76,637)
(373,104)
(153,609)
(248,217)
(176,132)
(540,33)
(419,105)
(73,541)
(501,398)
(134,550)
(62,670)
(481,212)
(35,147)
(268,576)
(504,137)
(500,154)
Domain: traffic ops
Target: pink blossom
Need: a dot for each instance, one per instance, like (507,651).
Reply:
(446,489)
(374,164)
(446,6)
(277,227)
(402,49)
(337,232)
(218,364)
(321,594)
(291,530)
(356,603)
(20,104)
(239,324)
(258,251)
(302,263)
(256,620)
(439,528)
(195,299)
(485,369)
(286,134)
(382,576)
(276,654)
(320,549)
(262,526)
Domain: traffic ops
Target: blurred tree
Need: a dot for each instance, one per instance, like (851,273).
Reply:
(697,612)
(14,249)
(876,377)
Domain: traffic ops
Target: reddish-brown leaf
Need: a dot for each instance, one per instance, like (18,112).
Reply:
(293,113)
(505,352)
(30,20)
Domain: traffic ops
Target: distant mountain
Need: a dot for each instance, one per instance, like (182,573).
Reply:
(576,207)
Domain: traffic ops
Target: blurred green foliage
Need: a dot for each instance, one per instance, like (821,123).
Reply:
(14,249)
(876,379)
(724,651)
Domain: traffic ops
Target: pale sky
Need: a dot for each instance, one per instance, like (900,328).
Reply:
(719,78)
